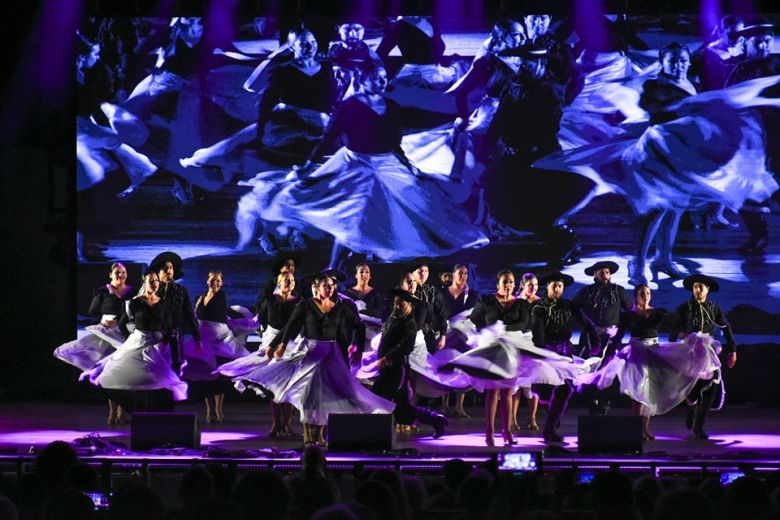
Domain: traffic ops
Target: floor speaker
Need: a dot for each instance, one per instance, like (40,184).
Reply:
(360,432)
(159,430)
(609,434)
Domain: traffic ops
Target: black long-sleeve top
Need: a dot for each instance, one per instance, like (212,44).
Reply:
(453,306)
(553,321)
(350,57)
(641,325)
(415,45)
(375,302)
(216,310)
(179,316)
(603,302)
(528,119)
(436,316)
(693,316)
(342,324)
(97,88)
(516,315)
(657,95)
(488,72)
(364,130)
(274,312)
(753,68)
(398,335)
(290,85)
(147,318)
(104,301)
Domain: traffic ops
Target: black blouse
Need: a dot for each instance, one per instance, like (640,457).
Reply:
(641,325)
(693,316)
(453,306)
(342,324)
(349,57)
(364,130)
(516,315)
(375,302)
(147,318)
(657,95)
(290,85)
(216,310)
(273,312)
(104,301)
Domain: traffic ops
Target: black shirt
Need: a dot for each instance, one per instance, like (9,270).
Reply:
(398,335)
(657,95)
(104,301)
(342,324)
(216,310)
(693,316)
(453,306)
(553,321)
(516,315)
(415,45)
(640,325)
(754,68)
(179,316)
(375,302)
(273,312)
(290,85)
(147,318)
(602,302)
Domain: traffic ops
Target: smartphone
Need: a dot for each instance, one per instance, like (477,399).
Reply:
(728,477)
(517,461)
(99,499)
(585,477)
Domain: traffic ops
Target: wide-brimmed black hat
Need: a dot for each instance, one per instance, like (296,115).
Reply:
(762,29)
(281,259)
(527,51)
(556,277)
(417,262)
(711,284)
(337,274)
(404,295)
(602,264)
(168,256)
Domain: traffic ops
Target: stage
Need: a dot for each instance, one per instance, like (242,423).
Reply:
(742,438)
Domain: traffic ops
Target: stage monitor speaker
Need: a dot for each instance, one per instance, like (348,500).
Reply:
(360,432)
(164,429)
(609,434)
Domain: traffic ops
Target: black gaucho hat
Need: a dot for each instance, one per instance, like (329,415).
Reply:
(556,277)
(762,29)
(602,264)
(417,262)
(168,256)
(711,284)
(404,295)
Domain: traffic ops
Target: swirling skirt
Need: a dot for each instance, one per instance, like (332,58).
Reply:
(374,204)
(86,351)
(143,362)
(316,380)
(217,340)
(659,375)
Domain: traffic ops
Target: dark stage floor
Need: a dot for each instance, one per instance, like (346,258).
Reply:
(740,435)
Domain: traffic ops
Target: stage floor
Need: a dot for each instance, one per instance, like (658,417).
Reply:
(740,434)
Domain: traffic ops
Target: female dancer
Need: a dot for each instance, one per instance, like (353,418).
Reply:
(274,312)
(704,149)
(217,339)
(657,376)
(372,300)
(368,195)
(457,298)
(143,361)
(529,284)
(315,378)
(493,364)
(108,304)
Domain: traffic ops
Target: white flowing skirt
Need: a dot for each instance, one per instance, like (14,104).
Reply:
(374,204)
(316,380)
(85,352)
(217,340)
(143,362)
(713,152)
(659,375)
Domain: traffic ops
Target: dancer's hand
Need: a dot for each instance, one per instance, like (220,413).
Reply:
(441,343)
(280,351)
(109,323)
(382,362)
(731,360)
